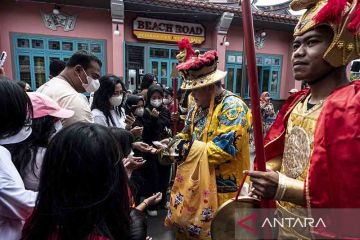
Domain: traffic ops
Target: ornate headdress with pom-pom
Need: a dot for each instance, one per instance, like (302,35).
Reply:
(186,51)
(200,71)
(342,16)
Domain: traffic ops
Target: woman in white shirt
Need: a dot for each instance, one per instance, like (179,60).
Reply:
(16,203)
(107,103)
(28,155)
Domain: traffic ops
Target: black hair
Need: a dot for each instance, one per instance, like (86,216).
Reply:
(152,89)
(130,102)
(147,81)
(82,58)
(103,95)
(15,108)
(124,138)
(57,66)
(23,154)
(22,84)
(168,90)
(83,189)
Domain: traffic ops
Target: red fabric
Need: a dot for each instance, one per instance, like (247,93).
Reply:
(331,12)
(354,25)
(333,178)
(199,62)
(275,138)
(184,43)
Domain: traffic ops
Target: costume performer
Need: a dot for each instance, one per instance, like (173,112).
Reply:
(314,144)
(220,121)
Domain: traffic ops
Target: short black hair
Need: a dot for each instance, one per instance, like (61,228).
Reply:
(15,107)
(147,81)
(82,58)
(56,67)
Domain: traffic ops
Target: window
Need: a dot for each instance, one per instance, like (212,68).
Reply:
(54,45)
(82,46)
(37,44)
(159,53)
(34,53)
(23,43)
(268,67)
(67,46)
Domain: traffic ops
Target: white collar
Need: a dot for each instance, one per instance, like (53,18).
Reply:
(19,137)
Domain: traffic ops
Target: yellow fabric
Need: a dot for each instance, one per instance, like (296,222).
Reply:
(299,140)
(193,203)
(231,115)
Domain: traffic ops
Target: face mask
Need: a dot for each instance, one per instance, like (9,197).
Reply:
(116,101)
(139,112)
(92,85)
(167,101)
(156,103)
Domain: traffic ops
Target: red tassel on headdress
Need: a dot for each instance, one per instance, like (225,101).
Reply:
(196,63)
(184,43)
(354,25)
(331,12)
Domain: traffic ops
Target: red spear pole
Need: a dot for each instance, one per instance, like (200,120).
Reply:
(174,85)
(254,87)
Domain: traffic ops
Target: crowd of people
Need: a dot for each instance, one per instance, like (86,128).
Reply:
(71,170)
(79,168)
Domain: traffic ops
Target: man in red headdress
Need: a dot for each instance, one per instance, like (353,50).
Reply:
(313,148)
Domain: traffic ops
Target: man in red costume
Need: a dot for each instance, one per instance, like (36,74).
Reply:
(313,148)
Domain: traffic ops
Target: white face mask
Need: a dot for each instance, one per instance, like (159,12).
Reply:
(156,103)
(92,85)
(139,112)
(167,101)
(116,101)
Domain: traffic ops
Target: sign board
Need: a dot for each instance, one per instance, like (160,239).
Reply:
(167,31)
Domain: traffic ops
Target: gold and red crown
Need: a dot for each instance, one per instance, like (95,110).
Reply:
(342,16)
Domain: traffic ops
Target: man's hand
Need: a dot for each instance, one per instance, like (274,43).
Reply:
(137,131)
(132,163)
(141,146)
(165,141)
(154,199)
(175,117)
(155,112)
(264,184)
(2,71)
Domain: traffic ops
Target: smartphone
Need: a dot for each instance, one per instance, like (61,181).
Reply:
(159,144)
(3,58)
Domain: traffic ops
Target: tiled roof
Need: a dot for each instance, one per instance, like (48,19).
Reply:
(219,9)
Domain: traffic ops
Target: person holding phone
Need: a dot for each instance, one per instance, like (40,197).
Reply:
(2,61)
(156,119)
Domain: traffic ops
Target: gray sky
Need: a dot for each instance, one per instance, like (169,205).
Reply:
(273,2)
(269,2)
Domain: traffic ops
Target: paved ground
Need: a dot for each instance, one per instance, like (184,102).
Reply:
(156,228)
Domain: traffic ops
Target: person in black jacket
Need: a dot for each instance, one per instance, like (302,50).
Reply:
(157,124)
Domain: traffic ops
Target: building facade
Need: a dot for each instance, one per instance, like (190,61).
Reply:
(135,37)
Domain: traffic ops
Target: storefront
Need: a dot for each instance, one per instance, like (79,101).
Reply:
(141,37)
